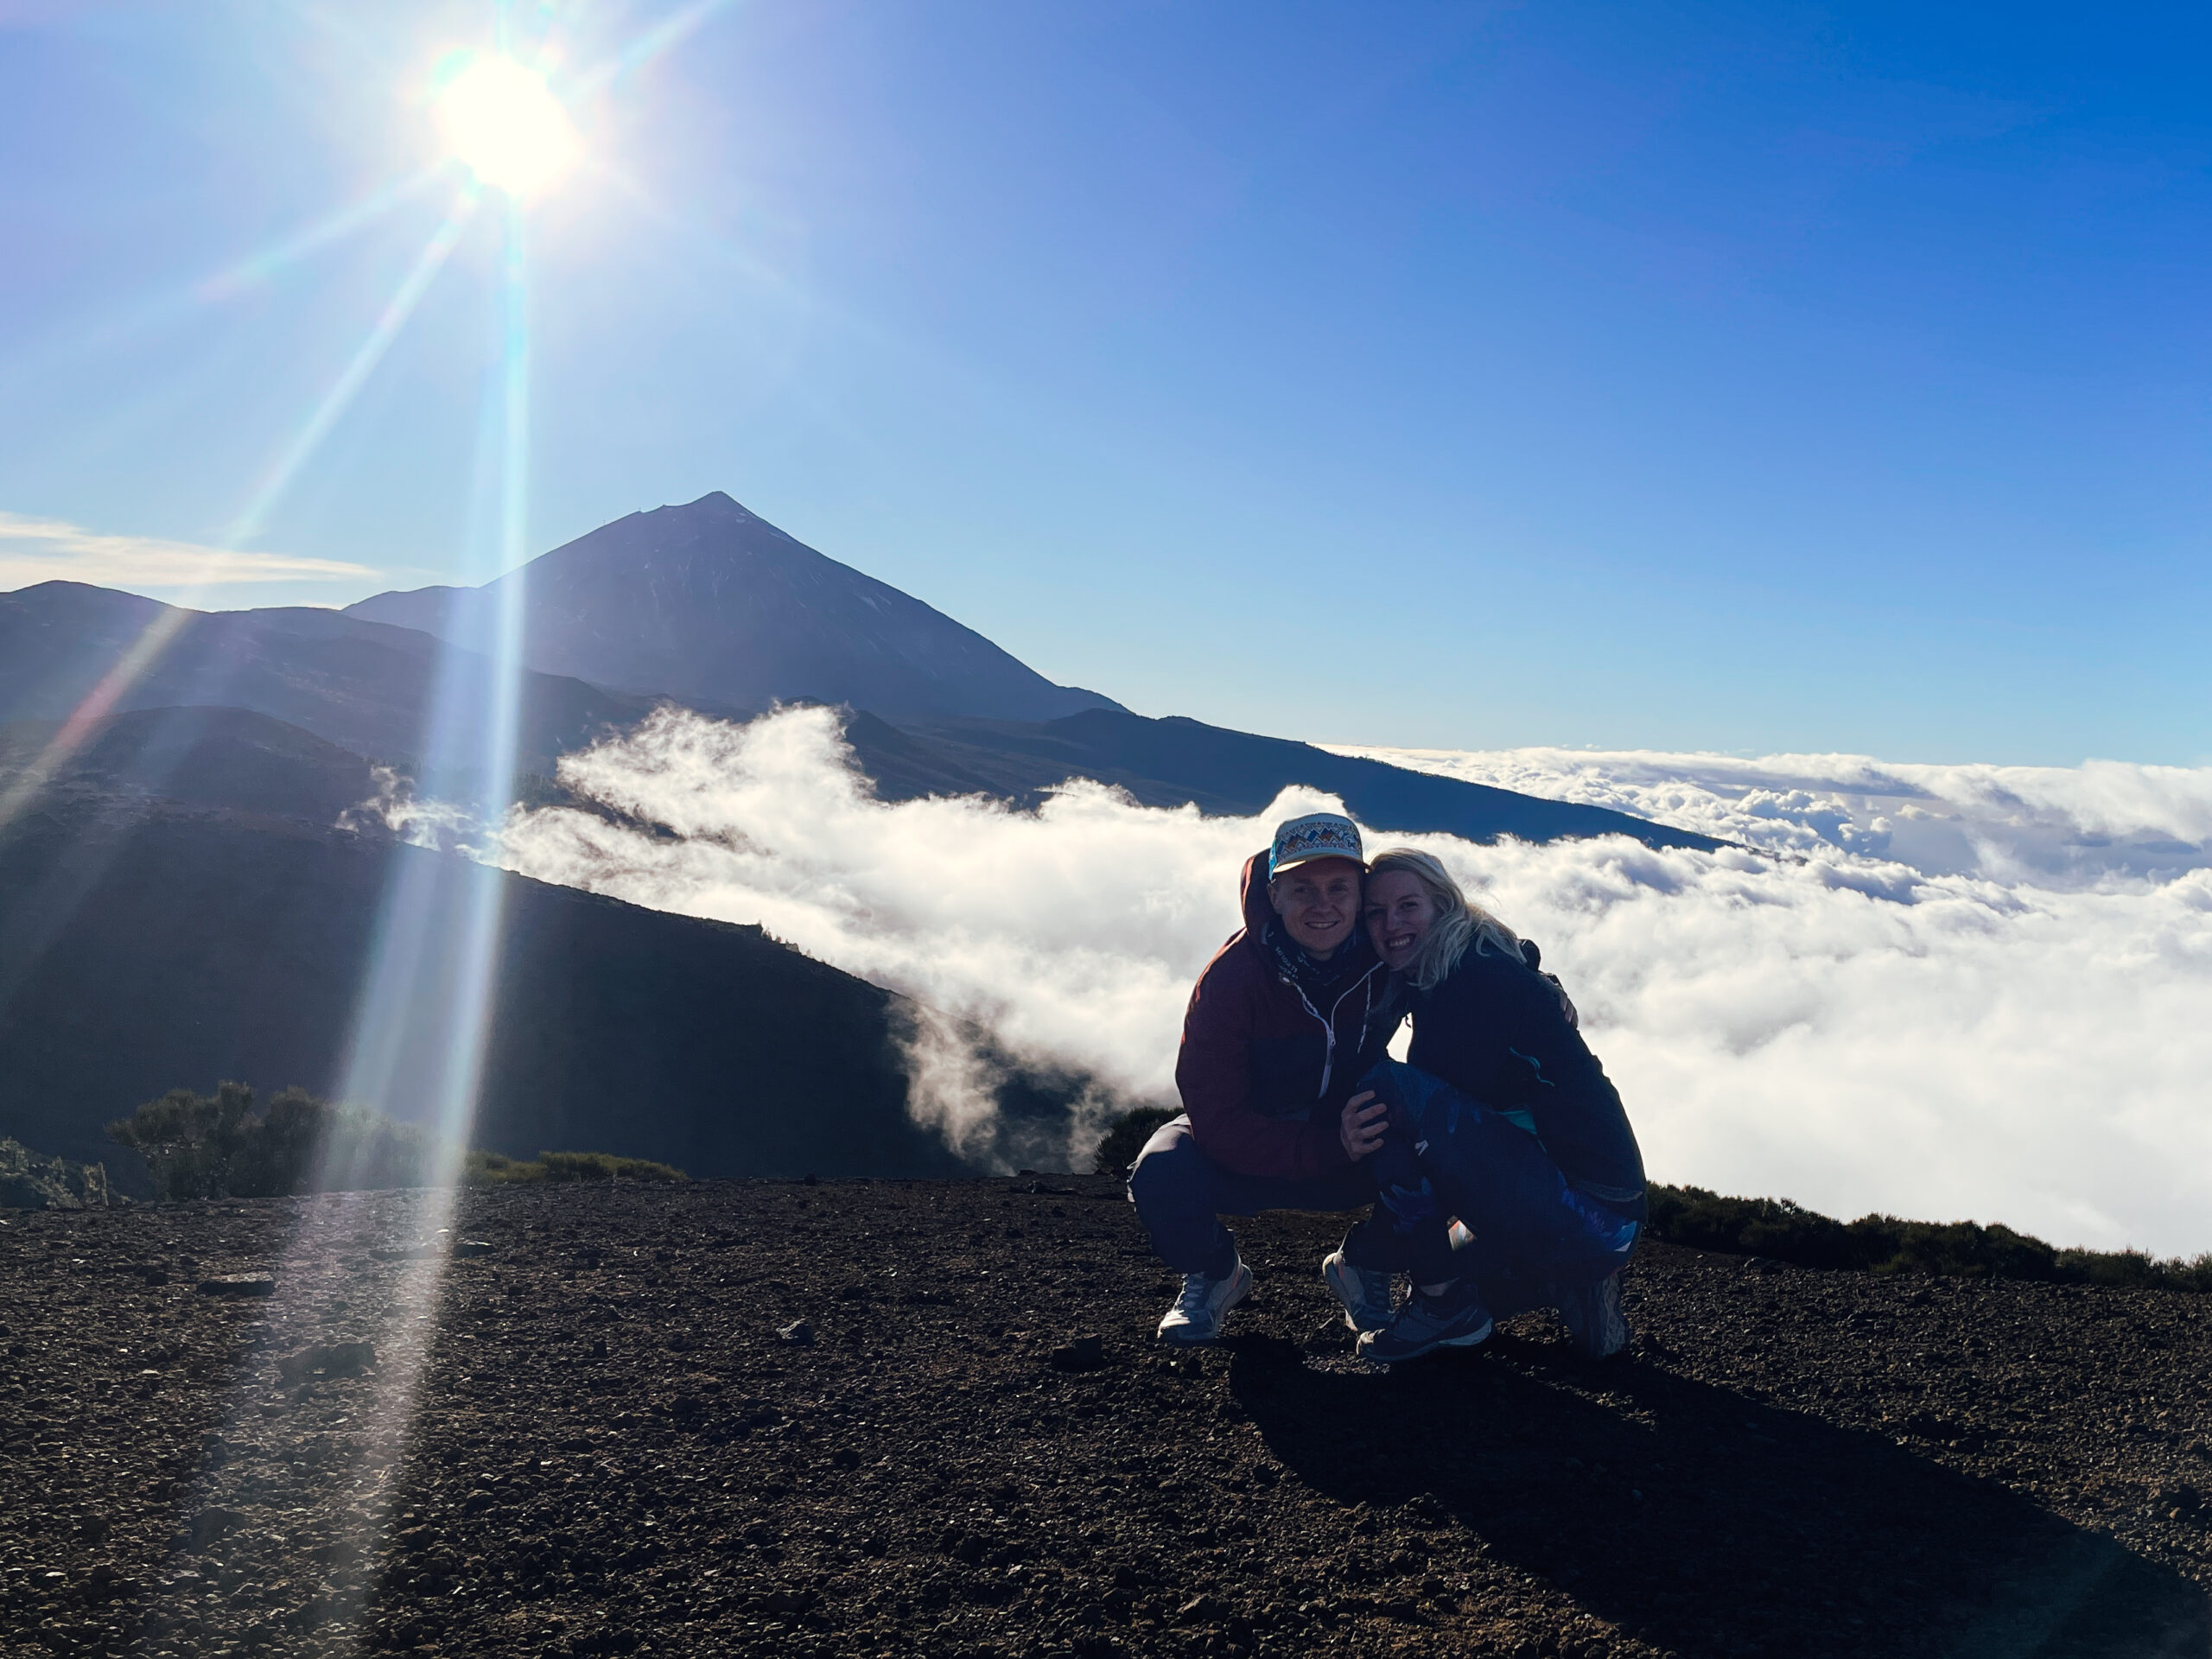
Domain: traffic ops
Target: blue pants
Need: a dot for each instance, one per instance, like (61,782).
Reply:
(1446,1154)
(1180,1195)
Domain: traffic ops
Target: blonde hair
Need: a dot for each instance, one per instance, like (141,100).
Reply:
(1459,921)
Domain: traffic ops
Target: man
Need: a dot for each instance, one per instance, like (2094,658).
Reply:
(1286,1017)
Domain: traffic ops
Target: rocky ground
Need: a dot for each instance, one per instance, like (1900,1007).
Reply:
(581,1432)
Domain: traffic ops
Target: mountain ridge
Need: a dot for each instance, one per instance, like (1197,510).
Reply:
(368,686)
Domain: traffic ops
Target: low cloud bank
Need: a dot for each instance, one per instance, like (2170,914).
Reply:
(2017,1041)
(2068,827)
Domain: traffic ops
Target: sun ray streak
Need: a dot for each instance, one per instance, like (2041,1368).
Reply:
(424,1018)
(265,263)
(147,649)
(240,277)
(423,1029)
(356,372)
(671,29)
(86,718)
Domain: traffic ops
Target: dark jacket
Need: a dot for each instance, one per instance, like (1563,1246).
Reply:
(1264,1072)
(1498,1030)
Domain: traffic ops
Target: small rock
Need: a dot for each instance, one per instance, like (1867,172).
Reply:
(799,1333)
(211,1524)
(238,1284)
(332,1359)
(473,1247)
(1085,1353)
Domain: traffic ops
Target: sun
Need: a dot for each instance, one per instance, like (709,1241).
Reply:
(503,122)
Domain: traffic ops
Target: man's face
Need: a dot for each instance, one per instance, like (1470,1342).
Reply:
(1318,901)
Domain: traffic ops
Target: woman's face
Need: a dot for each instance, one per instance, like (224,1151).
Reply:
(1398,913)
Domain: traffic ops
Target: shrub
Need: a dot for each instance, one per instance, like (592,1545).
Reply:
(188,1140)
(219,1146)
(1878,1244)
(1125,1137)
(30,1182)
(496,1169)
(1775,1227)
(302,1144)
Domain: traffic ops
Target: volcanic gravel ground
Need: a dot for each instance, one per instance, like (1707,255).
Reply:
(581,1433)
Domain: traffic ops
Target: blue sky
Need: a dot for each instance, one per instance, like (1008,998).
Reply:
(1745,378)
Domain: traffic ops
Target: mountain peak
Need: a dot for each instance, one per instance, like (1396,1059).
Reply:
(714,506)
(709,604)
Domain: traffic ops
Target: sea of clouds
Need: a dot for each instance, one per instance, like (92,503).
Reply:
(1944,992)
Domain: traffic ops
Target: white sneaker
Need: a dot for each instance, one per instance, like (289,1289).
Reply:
(1365,1292)
(1596,1327)
(1199,1310)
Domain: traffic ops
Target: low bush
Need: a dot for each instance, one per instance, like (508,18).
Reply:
(226,1146)
(1125,1137)
(1876,1243)
(496,1169)
(28,1181)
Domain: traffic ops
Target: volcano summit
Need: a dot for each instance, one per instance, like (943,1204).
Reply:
(713,606)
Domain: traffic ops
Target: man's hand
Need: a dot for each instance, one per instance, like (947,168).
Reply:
(1360,1129)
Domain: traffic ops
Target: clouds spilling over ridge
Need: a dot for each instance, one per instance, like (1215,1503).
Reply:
(1850,1031)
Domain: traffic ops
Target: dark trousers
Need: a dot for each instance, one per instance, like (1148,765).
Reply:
(1180,1195)
(1445,1153)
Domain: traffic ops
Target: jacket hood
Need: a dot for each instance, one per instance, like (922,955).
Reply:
(1253,895)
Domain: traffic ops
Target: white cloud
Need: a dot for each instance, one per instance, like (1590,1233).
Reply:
(2043,826)
(49,550)
(1848,1030)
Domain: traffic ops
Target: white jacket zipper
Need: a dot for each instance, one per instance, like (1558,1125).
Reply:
(1329,1025)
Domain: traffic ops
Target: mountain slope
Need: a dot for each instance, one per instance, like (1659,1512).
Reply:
(192,894)
(1169,762)
(712,606)
(145,945)
(235,759)
(365,686)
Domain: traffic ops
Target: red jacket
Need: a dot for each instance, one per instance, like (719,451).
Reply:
(1263,1073)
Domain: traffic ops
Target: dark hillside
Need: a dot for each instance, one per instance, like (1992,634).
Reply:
(146,946)
(362,685)
(229,758)
(378,690)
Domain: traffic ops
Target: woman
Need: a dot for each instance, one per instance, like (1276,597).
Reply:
(1502,1117)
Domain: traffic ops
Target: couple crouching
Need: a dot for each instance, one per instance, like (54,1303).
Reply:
(1503,1121)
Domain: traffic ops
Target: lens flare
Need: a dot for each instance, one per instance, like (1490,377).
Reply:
(504,123)
(340,398)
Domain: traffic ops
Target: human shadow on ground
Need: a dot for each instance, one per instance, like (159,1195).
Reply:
(1758,1530)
